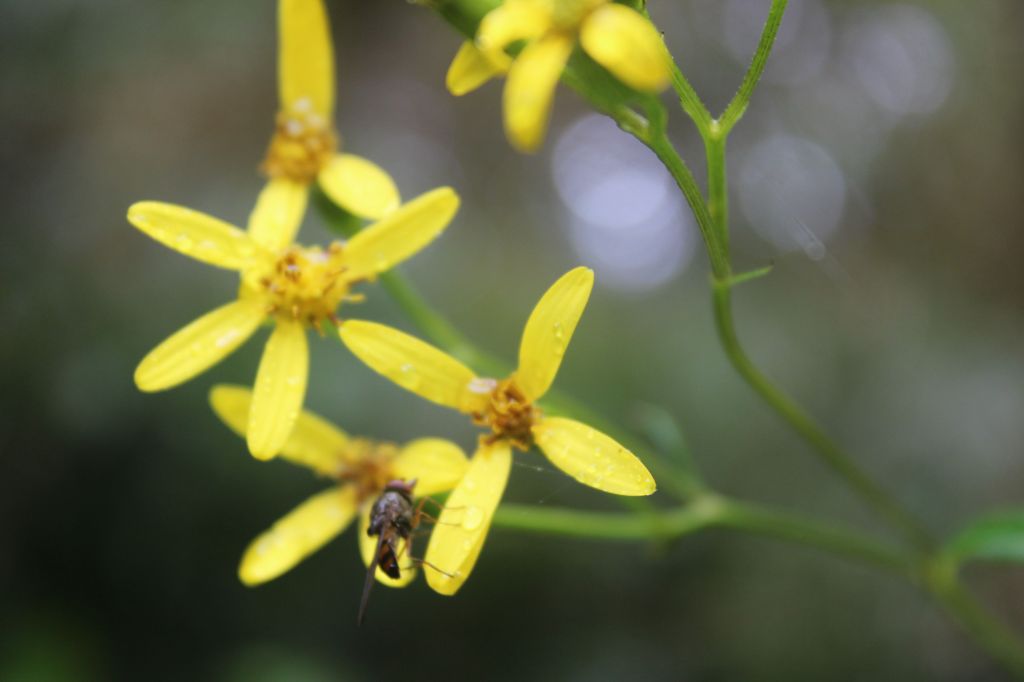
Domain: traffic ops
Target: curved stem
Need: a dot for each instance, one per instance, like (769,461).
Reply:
(999,641)
(707,511)
(828,451)
(680,172)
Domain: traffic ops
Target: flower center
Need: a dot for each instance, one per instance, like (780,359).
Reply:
(567,15)
(302,143)
(368,466)
(304,284)
(509,414)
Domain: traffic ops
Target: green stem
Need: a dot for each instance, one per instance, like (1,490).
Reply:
(669,157)
(704,512)
(734,111)
(1003,644)
(834,456)
(718,191)
(689,100)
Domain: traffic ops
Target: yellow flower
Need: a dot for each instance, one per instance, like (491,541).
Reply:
(508,409)
(293,286)
(361,469)
(615,36)
(304,146)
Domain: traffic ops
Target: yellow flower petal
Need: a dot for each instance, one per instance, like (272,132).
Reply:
(462,527)
(435,464)
(195,234)
(278,214)
(314,442)
(359,186)
(628,45)
(413,364)
(304,530)
(280,389)
(514,20)
(549,330)
(306,57)
(368,545)
(472,67)
(400,234)
(198,346)
(530,89)
(591,457)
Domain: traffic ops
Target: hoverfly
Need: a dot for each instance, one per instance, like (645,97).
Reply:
(393,518)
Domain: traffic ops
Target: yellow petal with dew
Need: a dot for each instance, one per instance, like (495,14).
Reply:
(530,89)
(549,330)
(279,390)
(472,67)
(359,186)
(628,45)
(195,234)
(304,530)
(461,529)
(513,20)
(400,234)
(436,465)
(414,365)
(199,345)
(314,442)
(591,457)
(275,220)
(306,57)
(368,545)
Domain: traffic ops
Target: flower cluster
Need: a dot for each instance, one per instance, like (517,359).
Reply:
(544,33)
(296,288)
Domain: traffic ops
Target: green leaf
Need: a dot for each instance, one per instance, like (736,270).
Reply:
(999,537)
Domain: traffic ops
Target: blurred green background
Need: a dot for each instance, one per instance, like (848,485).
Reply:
(880,167)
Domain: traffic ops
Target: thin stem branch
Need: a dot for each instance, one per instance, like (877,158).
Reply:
(704,512)
(1002,643)
(734,111)
(834,456)
(689,100)
(718,190)
(680,172)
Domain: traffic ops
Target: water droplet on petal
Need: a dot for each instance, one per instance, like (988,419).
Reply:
(472,519)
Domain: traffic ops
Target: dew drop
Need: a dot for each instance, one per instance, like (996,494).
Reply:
(226,338)
(472,519)
(466,546)
(407,367)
